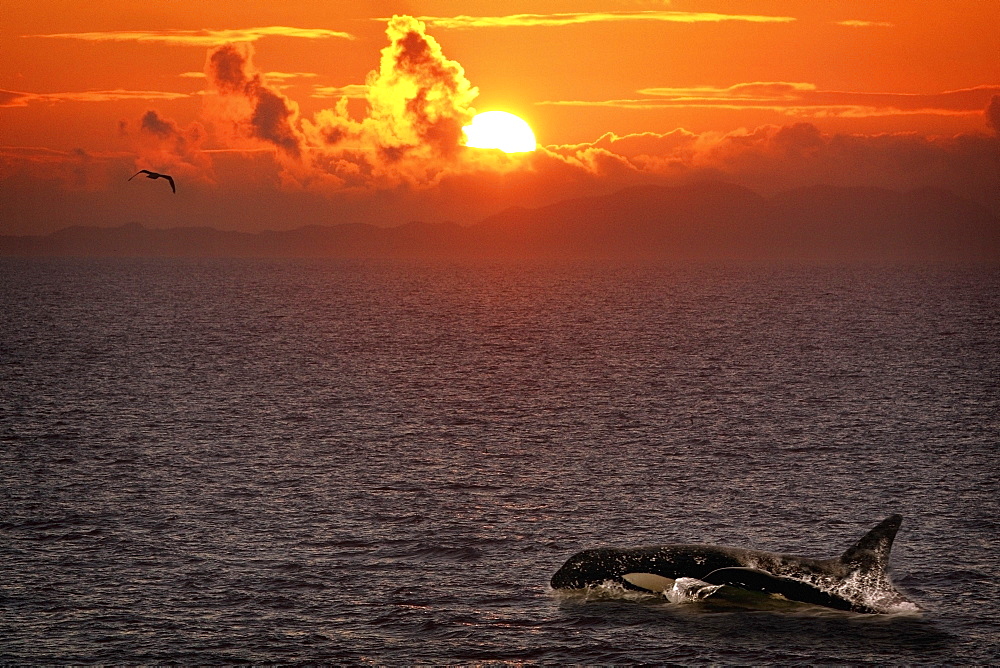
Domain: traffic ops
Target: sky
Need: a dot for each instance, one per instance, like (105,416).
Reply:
(275,115)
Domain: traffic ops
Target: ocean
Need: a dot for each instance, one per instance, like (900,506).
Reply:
(362,462)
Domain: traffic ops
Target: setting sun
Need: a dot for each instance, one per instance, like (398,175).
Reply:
(502,130)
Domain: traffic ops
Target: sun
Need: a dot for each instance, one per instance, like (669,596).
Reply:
(500,129)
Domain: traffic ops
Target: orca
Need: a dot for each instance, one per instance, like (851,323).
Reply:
(856,581)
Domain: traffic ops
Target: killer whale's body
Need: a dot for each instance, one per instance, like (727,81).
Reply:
(857,580)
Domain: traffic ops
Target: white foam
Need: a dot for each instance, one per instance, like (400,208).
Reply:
(687,590)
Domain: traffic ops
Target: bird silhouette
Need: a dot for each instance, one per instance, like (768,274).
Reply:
(155,175)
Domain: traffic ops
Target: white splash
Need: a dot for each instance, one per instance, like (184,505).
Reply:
(687,590)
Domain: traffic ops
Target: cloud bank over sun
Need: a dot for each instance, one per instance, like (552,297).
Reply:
(418,101)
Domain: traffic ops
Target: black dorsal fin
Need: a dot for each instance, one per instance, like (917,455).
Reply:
(872,551)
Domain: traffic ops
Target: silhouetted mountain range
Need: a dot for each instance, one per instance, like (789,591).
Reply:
(698,221)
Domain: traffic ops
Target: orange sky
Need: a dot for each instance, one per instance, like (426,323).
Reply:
(280,114)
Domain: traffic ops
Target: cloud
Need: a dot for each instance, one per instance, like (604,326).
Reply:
(9,98)
(854,23)
(418,97)
(163,145)
(25,170)
(156,126)
(408,132)
(13,98)
(202,38)
(35,153)
(802,100)
(280,76)
(756,90)
(417,103)
(255,109)
(775,157)
(285,76)
(356,91)
(993,114)
(574,18)
(644,143)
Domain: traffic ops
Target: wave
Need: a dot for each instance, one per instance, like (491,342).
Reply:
(695,594)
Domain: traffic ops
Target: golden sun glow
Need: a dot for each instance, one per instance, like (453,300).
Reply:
(500,130)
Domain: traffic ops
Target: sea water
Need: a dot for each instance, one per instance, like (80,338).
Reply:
(225,461)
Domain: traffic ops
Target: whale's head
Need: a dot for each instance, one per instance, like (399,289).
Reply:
(587,568)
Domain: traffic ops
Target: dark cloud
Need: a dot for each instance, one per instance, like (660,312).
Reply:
(164,145)
(993,113)
(772,158)
(273,120)
(12,98)
(800,139)
(227,67)
(153,124)
(267,116)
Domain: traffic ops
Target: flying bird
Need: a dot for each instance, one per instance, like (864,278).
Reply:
(155,175)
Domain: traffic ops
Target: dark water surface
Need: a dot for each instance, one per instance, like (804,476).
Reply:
(268,461)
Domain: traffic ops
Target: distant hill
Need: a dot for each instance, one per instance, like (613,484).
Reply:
(698,221)
(134,240)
